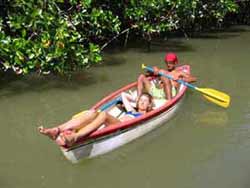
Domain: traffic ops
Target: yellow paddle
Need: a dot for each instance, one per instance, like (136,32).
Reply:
(212,95)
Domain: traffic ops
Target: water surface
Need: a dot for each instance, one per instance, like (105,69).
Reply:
(203,146)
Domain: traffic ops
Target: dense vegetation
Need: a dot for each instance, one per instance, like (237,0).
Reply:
(65,35)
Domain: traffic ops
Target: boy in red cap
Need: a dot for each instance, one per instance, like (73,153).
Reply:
(167,88)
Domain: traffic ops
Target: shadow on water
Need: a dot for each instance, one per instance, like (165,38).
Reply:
(174,41)
(225,33)
(12,84)
(110,60)
(234,29)
(210,36)
(158,44)
(37,82)
(177,43)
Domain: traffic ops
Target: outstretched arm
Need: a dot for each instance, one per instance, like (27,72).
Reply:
(127,99)
(184,76)
(188,77)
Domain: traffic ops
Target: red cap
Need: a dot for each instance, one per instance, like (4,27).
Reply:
(171,57)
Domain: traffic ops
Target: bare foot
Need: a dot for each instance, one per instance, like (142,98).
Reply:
(50,132)
(66,138)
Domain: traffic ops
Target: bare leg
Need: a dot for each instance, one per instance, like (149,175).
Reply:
(101,118)
(110,120)
(167,87)
(73,124)
(79,122)
(142,82)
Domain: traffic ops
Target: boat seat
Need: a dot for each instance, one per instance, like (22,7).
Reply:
(116,111)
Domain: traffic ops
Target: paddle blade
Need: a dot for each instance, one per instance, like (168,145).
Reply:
(143,66)
(215,96)
(223,104)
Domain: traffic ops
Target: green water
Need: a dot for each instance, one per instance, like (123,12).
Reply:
(203,146)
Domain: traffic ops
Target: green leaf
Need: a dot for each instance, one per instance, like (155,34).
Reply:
(24,33)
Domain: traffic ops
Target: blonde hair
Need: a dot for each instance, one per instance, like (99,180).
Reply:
(150,101)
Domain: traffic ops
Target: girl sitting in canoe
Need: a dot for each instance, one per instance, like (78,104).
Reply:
(68,133)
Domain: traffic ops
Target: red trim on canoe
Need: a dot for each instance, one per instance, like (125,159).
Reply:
(135,121)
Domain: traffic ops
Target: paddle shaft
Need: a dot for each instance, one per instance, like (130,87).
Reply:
(103,107)
(170,77)
(109,104)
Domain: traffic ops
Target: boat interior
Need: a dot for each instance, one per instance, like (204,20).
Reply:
(118,110)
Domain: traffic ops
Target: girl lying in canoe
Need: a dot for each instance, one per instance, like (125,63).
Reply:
(68,133)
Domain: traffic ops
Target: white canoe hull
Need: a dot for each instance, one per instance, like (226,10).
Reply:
(106,144)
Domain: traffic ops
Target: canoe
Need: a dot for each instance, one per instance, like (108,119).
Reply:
(109,138)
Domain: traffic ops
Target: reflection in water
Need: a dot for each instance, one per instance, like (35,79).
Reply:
(214,118)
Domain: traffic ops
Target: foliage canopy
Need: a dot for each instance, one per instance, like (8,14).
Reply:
(65,35)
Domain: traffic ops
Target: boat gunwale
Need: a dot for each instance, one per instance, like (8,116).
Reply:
(130,123)
(115,133)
